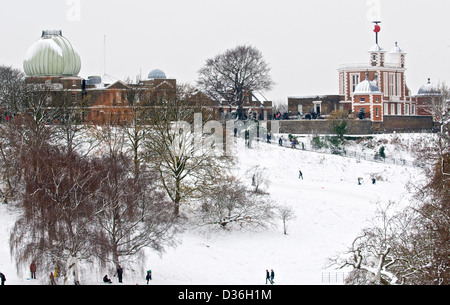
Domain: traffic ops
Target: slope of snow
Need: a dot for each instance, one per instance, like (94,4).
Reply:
(330,207)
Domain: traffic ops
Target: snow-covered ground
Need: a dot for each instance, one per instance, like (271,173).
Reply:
(330,207)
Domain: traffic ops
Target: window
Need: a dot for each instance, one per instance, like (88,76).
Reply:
(399,84)
(386,83)
(392,109)
(377,112)
(399,109)
(392,84)
(406,109)
(386,109)
(413,109)
(362,100)
(354,81)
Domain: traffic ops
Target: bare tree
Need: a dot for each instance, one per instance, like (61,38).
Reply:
(179,149)
(135,124)
(260,181)
(131,212)
(232,74)
(69,124)
(372,251)
(285,213)
(12,88)
(232,204)
(56,223)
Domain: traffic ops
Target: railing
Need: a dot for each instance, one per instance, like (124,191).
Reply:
(333,277)
(352,154)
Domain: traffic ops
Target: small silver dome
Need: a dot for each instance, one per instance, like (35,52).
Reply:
(429,89)
(94,80)
(157,74)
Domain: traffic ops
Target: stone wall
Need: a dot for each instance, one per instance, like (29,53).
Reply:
(358,127)
(408,123)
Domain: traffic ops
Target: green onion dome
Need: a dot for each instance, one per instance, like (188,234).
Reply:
(52,55)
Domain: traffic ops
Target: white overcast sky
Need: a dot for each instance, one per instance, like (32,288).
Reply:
(303,41)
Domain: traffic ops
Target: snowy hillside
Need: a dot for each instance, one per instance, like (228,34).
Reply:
(330,209)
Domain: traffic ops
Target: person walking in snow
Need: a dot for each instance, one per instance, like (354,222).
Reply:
(272,276)
(52,279)
(148,276)
(300,174)
(267,276)
(2,278)
(33,270)
(280,141)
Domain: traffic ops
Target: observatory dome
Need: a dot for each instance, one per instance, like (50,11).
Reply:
(429,89)
(157,74)
(52,55)
(367,87)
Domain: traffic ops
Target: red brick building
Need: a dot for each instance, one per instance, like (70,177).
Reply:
(54,63)
(378,88)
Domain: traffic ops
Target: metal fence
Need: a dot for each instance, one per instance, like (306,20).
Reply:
(353,154)
(334,277)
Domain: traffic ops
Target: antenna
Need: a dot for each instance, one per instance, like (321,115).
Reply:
(104,55)
(104,62)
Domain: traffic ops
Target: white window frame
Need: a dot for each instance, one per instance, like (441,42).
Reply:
(399,84)
(355,79)
(392,109)
(386,83)
(392,84)
(399,109)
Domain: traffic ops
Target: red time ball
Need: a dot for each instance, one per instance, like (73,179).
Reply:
(377,28)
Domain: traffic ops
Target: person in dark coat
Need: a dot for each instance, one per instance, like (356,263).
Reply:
(106,279)
(267,276)
(300,174)
(119,273)
(2,278)
(272,276)
(148,276)
(33,270)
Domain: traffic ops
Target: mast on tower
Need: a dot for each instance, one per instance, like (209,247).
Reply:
(377,29)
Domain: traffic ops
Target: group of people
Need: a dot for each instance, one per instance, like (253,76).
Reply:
(270,276)
(119,273)
(374,181)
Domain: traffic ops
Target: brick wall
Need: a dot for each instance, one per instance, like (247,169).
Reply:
(407,123)
(360,127)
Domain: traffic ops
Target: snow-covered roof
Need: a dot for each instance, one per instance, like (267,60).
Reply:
(376,48)
(396,50)
(52,55)
(429,89)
